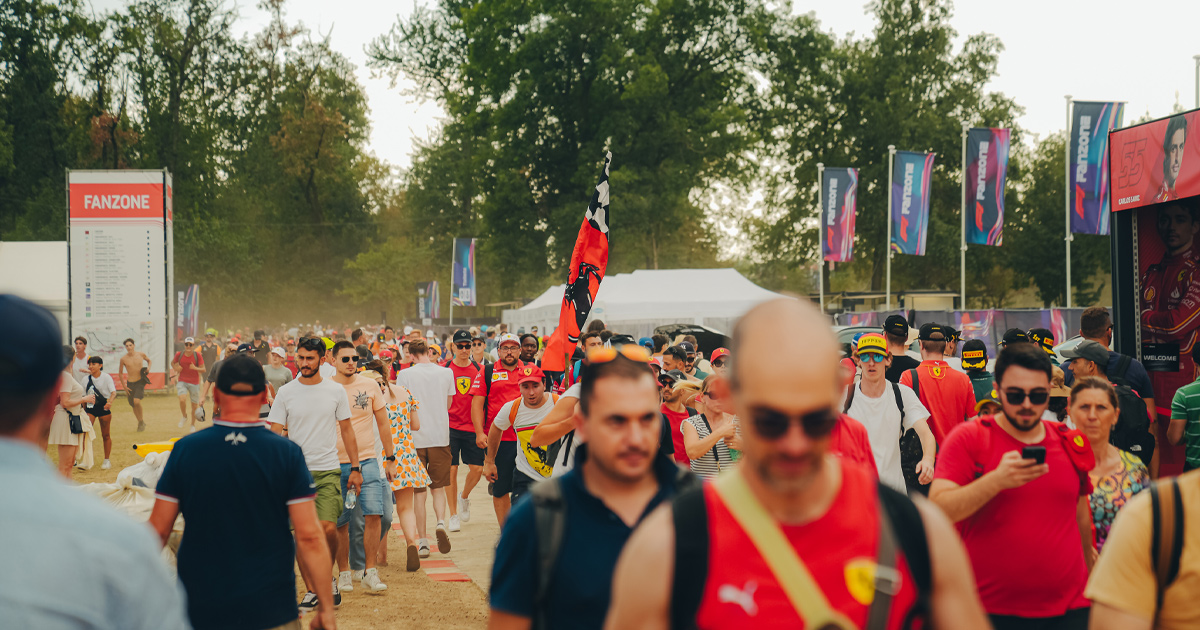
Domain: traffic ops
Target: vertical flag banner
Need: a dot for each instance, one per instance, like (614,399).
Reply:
(912,180)
(462,288)
(1088,185)
(187,317)
(840,191)
(589,261)
(427,300)
(987,170)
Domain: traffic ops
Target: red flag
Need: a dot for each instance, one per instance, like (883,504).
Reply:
(589,261)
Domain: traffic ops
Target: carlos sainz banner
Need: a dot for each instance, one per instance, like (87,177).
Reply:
(1155,162)
(839,193)
(1088,168)
(912,179)
(987,169)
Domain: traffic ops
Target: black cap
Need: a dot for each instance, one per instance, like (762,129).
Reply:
(32,355)
(1043,338)
(687,347)
(932,332)
(675,374)
(951,334)
(974,355)
(621,340)
(245,348)
(241,369)
(896,324)
(461,335)
(1015,335)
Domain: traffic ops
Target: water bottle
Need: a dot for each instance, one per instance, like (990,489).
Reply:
(351,499)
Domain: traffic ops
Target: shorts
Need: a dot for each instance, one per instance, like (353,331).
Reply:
(135,390)
(184,389)
(520,485)
(463,442)
(329,494)
(98,412)
(370,495)
(436,460)
(506,465)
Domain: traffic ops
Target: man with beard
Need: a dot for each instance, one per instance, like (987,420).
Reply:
(494,386)
(675,412)
(1018,488)
(702,562)
(1173,143)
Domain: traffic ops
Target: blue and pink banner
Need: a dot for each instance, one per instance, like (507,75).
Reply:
(987,170)
(462,286)
(839,202)
(912,180)
(428,302)
(1088,155)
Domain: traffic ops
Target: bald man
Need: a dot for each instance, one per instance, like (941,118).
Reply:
(713,575)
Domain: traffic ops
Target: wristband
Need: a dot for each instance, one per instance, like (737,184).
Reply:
(390,458)
(355,469)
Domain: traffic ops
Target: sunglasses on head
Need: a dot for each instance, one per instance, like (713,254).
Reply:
(772,425)
(1017,396)
(629,351)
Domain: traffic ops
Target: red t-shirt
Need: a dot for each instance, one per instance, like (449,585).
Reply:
(187,375)
(460,406)
(849,441)
(946,393)
(841,570)
(674,419)
(504,389)
(1024,544)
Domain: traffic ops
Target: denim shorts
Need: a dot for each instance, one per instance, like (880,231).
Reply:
(191,390)
(370,498)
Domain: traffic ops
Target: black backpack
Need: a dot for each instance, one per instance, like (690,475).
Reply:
(1122,368)
(910,445)
(1132,432)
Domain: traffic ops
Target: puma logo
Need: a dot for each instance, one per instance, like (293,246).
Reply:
(744,597)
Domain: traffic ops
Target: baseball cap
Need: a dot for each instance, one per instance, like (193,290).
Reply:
(435,350)
(243,348)
(646,342)
(1088,350)
(530,374)
(719,353)
(1044,338)
(896,324)
(1014,335)
(188,340)
(675,374)
(462,336)
(408,330)
(872,343)
(328,343)
(656,361)
(385,354)
(429,333)
(33,357)
(279,352)
(241,370)
(211,332)
(687,347)
(992,397)
(951,334)
(508,338)
(974,355)
(932,332)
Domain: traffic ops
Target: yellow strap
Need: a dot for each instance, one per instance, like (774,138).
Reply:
(806,596)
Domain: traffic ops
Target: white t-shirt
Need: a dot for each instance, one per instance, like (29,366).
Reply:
(327,371)
(79,369)
(566,455)
(431,385)
(531,460)
(104,385)
(881,417)
(311,413)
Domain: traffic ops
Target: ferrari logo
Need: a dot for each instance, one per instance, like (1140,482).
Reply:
(936,371)
(1149,294)
(528,371)
(463,384)
(1079,441)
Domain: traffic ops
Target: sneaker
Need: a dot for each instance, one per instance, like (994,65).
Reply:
(356,575)
(106,465)
(344,583)
(308,603)
(414,558)
(371,581)
(443,539)
(337,594)
(464,510)
(423,548)
(182,421)
(141,427)
(455,526)
(193,429)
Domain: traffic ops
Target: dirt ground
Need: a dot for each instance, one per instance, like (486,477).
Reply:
(412,600)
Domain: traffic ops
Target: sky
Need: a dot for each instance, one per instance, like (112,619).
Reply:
(1097,50)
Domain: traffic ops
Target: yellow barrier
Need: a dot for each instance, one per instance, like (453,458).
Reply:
(154,447)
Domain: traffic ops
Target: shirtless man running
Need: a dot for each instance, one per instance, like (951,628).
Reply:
(137,364)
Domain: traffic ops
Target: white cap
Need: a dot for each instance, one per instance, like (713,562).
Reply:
(408,330)
(429,333)
(507,337)
(188,340)
(280,352)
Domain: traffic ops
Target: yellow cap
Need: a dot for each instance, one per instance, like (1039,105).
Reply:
(872,343)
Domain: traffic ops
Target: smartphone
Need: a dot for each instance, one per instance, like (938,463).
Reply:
(1037,453)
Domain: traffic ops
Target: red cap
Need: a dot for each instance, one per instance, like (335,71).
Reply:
(529,374)
(718,353)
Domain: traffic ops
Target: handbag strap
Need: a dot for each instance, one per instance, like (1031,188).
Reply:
(716,453)
(802,590)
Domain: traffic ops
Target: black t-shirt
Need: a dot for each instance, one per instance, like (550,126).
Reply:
(900,365)
(261,349)
(210,357)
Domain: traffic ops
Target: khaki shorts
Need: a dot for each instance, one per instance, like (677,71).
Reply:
(329,494)
(436,461)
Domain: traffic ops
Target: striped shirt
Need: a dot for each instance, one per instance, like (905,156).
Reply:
(1186,406)
(716,459)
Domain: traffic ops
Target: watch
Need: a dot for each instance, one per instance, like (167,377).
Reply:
(355,469)
(390,458)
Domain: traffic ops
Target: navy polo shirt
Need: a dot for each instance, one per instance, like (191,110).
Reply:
(233,483)
(581,587)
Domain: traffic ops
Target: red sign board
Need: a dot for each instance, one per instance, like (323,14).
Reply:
(117,201)
(1155,162)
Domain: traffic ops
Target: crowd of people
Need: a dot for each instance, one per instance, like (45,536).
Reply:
(784,481)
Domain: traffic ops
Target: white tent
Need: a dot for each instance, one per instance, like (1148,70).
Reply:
(635,303)
(37,271)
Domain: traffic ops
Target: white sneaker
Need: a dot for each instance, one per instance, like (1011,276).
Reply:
(454,523)
(106,465)
(371,581)
(464,510)
(182,421)
(344,582)
(356,575)
(423,548)
(193,429)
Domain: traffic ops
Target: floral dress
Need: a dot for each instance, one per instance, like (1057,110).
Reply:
(1112,492)
(409,472)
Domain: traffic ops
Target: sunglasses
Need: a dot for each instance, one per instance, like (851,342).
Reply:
(772,425)
(872,358)
(666,382)
(348,359)
(1017,396)
(462,346)
(629,351)
(188,345)
(719,363)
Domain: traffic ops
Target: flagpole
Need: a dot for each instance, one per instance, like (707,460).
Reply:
(887,303)
(452,247)
(962,273)
(1067,196)
(821,234)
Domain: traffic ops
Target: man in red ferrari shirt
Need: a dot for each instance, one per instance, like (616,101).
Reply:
(495,385)
(1027,525)
(946,392)
(467,440)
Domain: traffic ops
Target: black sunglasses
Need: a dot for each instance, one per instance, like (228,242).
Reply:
(772,425)
(462,346)
(719,363)
(666,382)
(1017,396)
(348,359)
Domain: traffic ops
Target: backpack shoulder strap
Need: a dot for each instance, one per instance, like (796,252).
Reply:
(550,521)
(513,411)
(916,387)
(487,383)
(1122,367)
(850,399)
(900,400)
(909,536)
(689,516)
(1167,541)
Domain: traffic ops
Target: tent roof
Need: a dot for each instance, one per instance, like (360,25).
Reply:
(36,270)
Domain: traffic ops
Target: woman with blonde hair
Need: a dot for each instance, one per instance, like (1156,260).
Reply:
(709,435)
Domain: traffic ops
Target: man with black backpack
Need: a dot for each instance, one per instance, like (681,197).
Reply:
(792,537)
(1133,432)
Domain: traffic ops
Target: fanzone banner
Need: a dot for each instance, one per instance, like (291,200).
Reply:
(1088,170)
(427,300)
(839,193)
(912,178)
(187,313)
(987,169)
(462,288)
(1155,162)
